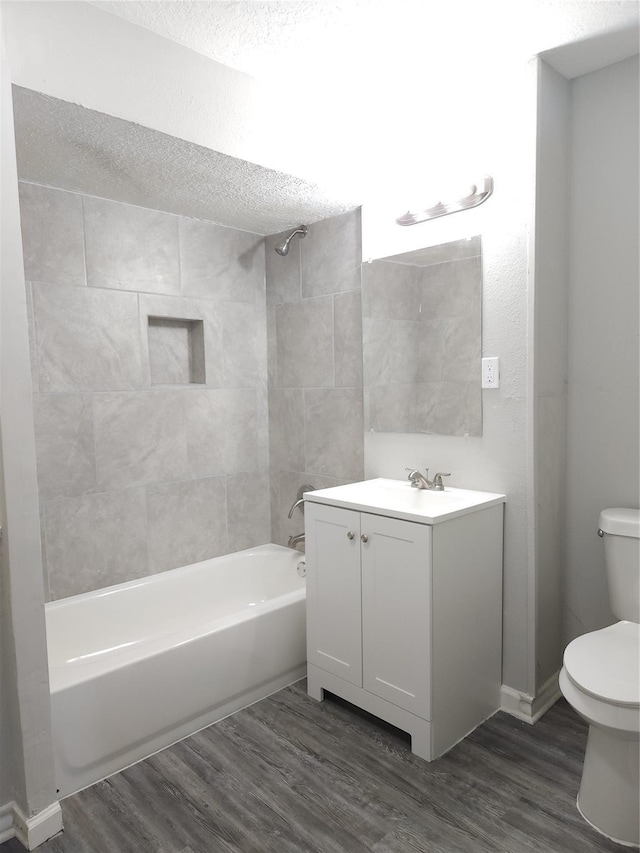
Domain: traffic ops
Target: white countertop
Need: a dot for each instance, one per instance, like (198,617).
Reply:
(397,499)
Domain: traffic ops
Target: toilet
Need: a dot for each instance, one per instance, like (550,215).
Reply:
(600,679)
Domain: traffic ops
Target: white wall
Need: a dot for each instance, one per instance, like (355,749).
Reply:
(603,429)
(27,773)
(550,263)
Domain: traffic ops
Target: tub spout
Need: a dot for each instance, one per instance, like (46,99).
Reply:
(294,540)
(299,501)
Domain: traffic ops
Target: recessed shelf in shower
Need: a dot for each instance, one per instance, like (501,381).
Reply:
(176,351)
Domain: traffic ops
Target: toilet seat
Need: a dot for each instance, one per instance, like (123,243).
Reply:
(605,664)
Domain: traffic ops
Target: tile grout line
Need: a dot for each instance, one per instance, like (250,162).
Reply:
(84,240)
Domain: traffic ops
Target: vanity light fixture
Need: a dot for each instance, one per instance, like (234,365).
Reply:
(476,193)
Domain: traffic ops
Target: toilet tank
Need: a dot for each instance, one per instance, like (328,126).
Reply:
(621,529)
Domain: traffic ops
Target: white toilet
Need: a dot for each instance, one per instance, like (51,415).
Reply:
(601,680)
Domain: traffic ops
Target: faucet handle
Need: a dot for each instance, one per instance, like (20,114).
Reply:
(437,481)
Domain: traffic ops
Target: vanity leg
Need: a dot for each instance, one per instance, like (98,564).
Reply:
(314,688)
(421,740)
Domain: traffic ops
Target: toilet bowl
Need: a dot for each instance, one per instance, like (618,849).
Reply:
(600,679)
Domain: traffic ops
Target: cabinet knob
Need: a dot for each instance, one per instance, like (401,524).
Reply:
(364,537)
(350,534)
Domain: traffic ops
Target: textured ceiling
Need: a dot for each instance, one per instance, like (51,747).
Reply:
(370,55)
(259,38)
(73,148)
(271,38)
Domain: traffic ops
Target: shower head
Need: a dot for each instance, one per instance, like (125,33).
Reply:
(283,248)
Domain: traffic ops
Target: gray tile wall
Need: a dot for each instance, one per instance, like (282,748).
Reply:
(315,364)
(136,478)
(422,333)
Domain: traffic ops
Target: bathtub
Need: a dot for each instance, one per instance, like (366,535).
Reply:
(136,667)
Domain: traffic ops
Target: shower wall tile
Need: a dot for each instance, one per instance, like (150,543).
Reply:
(304,341)
(31,331)
(52,235)
(347,335)
(244,344)
(187,522)
(272,348)
(95,541)
(221,263)
(283,273)
(314,337)
(177,307)
(331,254)
(222,432)
(131,248)
(284,490)
(140,439)
(248,520)
(65,452)
(286,428)
(334,432)
(88,340)
(110,446)
(262,424)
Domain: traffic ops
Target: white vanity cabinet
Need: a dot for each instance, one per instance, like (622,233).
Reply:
(404,606)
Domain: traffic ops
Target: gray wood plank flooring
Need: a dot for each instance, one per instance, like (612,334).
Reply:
(291,775)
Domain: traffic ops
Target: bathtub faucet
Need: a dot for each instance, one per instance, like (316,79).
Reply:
(294,540)
(299,501)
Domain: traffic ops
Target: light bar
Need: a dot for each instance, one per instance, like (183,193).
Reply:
(478,192)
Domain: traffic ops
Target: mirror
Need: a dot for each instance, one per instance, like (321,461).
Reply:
(422,340)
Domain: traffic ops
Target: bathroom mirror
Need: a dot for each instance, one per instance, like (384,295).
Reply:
(422,340)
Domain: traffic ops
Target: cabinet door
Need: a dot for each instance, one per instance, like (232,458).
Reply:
(396,609)
(334,609)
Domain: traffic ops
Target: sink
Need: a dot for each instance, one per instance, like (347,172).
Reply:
(397,498)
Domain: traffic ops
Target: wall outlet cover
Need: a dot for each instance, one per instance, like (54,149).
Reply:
(491,372)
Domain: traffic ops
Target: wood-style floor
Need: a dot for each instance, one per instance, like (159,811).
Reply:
(291,775)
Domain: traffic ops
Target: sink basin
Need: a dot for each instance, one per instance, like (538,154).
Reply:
(398,499)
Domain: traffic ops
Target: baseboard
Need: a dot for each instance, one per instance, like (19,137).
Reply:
(6,822)
(530,708)
(35,830)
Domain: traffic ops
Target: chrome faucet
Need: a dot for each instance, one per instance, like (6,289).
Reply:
(294,540)
(299,501)
(422,481)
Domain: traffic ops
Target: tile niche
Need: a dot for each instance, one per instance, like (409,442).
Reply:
(176,351)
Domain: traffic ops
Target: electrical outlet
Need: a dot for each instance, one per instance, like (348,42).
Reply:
(491,372)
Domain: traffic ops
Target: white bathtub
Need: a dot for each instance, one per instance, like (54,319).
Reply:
(138,666)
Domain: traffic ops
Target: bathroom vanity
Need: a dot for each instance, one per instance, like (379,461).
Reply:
(404,605)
